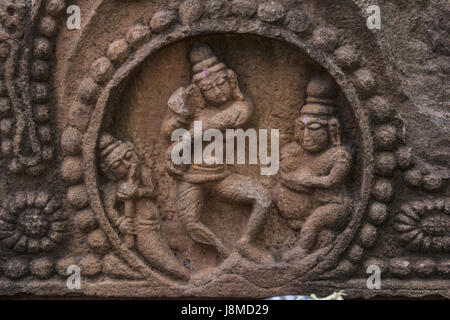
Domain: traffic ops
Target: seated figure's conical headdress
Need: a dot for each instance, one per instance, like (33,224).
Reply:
(321,93)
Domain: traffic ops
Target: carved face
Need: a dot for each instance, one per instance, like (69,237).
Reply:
(216,88)
(312,133)
(122,161)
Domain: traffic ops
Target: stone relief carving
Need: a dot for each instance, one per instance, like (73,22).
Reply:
(134,190)
(214,97)
(350,191)
(32,222)
(424,225)
(311,193)
(25,92)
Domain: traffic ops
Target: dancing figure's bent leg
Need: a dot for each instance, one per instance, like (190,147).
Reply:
(189,205)
(241,189)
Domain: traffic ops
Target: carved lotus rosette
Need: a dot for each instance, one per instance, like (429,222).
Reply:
(425,225)
(32,222)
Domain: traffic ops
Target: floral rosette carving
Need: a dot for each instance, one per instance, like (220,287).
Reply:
(425,226)
(31,222)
